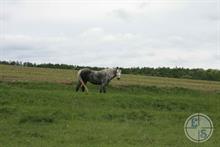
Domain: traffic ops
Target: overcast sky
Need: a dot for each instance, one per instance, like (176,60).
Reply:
(125,33)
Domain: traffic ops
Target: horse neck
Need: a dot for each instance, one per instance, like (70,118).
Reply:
(112,74)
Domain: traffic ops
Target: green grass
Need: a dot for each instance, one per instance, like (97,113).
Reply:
(42,110)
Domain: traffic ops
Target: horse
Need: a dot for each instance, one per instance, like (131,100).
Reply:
(102,78)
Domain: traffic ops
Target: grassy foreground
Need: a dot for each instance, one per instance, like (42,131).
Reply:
(38,108)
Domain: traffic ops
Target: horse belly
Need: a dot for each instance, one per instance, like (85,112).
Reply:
(95,82)
(95,78)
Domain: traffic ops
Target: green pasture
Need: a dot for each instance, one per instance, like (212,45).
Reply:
(39,108)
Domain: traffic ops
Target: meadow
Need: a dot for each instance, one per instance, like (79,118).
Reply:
(39,108)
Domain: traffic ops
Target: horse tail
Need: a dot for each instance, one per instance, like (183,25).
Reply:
(81,81)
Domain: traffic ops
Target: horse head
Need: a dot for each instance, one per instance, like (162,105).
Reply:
(118,73)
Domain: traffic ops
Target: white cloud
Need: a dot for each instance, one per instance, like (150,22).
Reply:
(107,33)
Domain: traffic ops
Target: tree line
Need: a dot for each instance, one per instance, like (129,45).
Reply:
(177,72)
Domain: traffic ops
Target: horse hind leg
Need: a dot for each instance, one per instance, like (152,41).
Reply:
(83,87)
(78,86)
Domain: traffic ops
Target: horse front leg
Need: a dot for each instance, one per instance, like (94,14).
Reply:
(103,87)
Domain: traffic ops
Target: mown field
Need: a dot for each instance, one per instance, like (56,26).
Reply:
(39,108)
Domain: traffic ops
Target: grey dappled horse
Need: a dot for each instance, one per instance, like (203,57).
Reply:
(102,78)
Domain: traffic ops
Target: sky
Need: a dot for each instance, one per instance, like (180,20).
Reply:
(110,33)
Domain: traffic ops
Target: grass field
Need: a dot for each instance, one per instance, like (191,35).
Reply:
(39,108)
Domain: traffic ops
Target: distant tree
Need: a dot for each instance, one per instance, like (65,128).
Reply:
(196,73)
